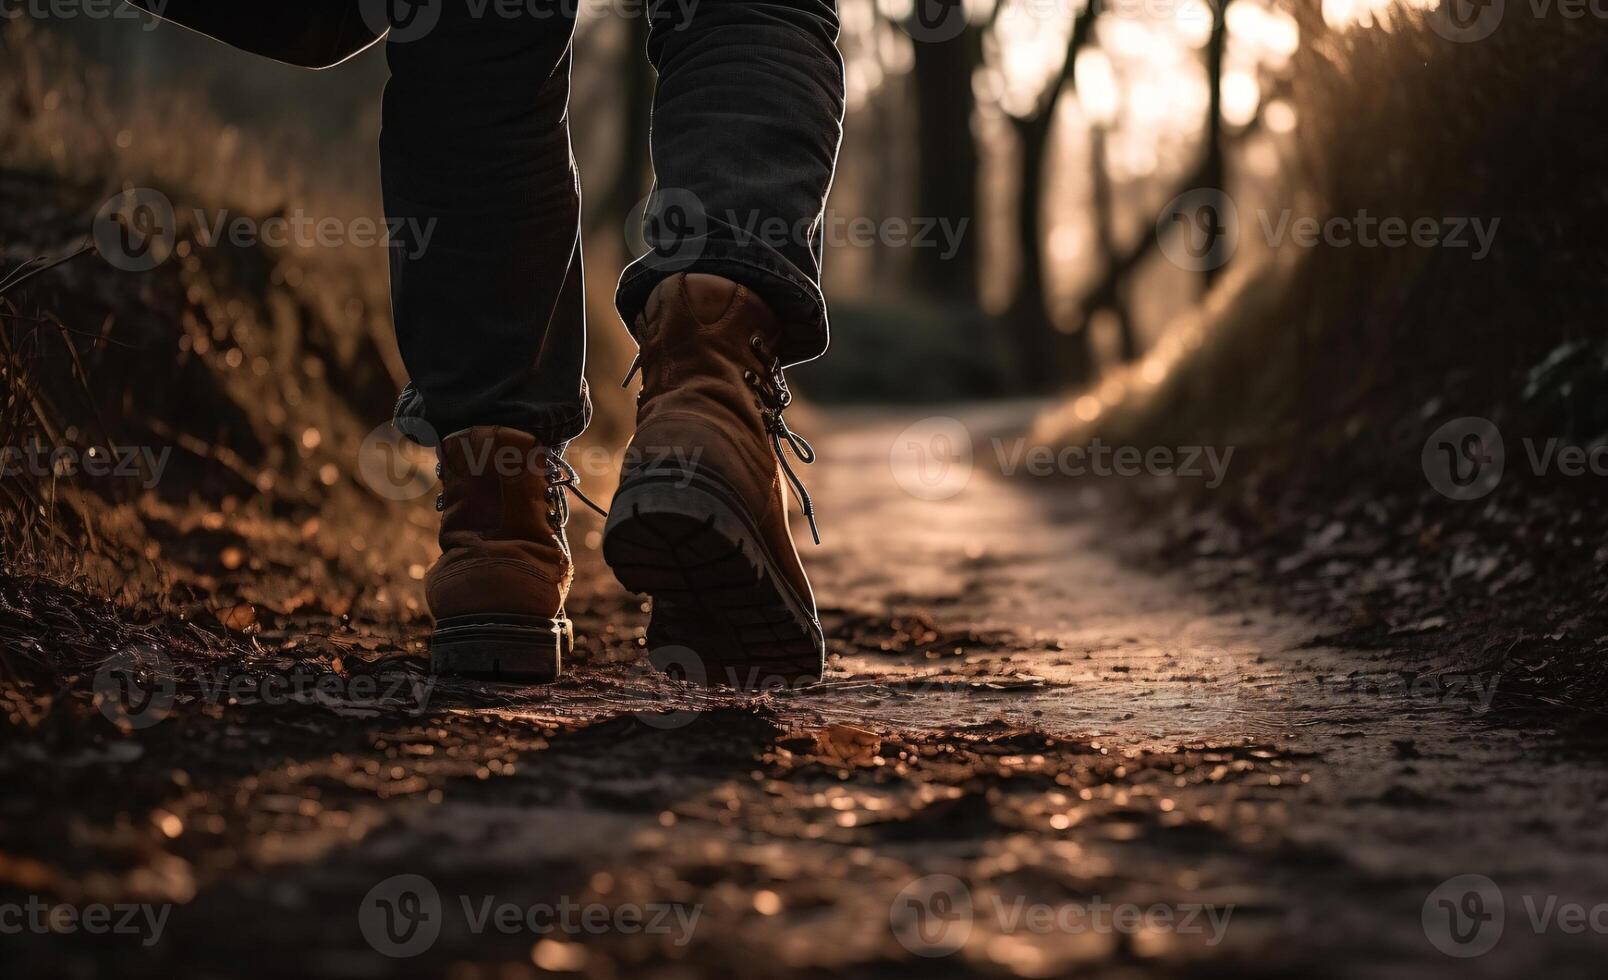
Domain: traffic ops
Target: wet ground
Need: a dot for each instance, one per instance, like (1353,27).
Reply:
(1027,759)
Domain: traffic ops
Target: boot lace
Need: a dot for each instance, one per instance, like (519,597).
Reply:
(561,476)
(773,398)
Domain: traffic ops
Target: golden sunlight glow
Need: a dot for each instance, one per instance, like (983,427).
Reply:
(1193,24)
(1097,86)
(1242,95)
(1280,116)
(1360,13)
(1066,243)
(1267,36)
(1032,38)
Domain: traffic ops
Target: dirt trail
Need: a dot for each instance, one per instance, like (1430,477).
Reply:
(1027,759)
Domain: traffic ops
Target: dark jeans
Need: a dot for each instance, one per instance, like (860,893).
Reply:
(475,152)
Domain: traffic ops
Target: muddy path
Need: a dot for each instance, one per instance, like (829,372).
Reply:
(1027,759)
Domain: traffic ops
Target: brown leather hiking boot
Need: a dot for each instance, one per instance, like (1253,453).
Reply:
(497,592)
(700,520)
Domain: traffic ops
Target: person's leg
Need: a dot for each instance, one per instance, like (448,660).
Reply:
(486,287)
(747,118)
(480,186)
(746,126)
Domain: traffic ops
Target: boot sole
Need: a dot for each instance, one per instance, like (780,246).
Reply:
(527,649)
(686,541)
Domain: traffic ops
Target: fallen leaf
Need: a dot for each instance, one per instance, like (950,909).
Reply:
(239,617)
(847,744)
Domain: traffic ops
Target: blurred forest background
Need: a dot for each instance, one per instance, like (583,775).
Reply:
(1048,137)
(1074,144)
(1117,170)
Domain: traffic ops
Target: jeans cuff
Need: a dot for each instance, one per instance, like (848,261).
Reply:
(795,298)
(551,425)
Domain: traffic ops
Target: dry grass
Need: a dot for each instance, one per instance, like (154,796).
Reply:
(1394,120)
(262,369)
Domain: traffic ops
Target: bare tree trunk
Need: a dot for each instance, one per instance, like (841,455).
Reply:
(1049,356)
(1114,298)
(948,161)
(1214,170)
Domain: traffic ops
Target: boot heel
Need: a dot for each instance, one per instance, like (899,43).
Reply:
(688,543)
(527,649)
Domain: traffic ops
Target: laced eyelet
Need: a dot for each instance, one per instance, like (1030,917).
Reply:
(772,397)
(441,502)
